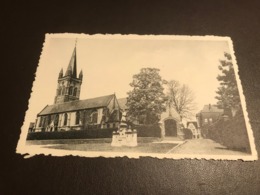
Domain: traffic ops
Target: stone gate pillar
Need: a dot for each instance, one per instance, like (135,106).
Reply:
(162,127)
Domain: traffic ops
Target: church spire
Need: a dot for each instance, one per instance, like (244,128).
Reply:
(72,67)
(69,84)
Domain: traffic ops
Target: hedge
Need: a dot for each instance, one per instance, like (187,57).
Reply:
(72,134)
(142,131)
(148,130)
(231,133)
(187,133)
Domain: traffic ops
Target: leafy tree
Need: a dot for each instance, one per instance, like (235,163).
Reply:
(181,98)
(146,101)
(227,94)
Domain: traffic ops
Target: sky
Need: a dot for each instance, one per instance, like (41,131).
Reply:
(109,63)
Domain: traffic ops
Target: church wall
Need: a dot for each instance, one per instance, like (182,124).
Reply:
(72,118)
(69,119)
(38,122)
(96,118)
(90,118)
(38,128)
(62,120)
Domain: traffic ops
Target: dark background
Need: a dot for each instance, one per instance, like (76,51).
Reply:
(23,26)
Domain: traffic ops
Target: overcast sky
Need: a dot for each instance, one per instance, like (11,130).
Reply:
(108,65)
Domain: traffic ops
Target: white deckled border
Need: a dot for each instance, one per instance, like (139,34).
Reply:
(30,151)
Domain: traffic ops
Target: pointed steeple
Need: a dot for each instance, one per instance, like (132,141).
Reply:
(68,71)
(69,84)
(81,75)
(72,67)
(61,73)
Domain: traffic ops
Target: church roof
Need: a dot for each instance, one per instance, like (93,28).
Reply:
(97,102)
(122,103)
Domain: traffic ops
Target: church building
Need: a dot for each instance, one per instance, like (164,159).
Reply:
(90,118)
(70,113)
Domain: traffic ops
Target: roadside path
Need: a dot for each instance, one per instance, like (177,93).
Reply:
(204,146)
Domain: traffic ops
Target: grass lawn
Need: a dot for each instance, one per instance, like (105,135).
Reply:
(145,145)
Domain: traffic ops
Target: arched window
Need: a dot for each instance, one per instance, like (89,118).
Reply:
(75,92)
(63,90)
(59,91)
(56,120)
(43,121)
(94,117)
(49,119)
(40,122)
(70,90)
(65,119)
(77,117)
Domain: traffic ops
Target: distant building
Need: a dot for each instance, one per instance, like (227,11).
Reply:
(31,127)
(208,115)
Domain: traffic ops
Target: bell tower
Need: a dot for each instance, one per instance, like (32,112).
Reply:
(68,88)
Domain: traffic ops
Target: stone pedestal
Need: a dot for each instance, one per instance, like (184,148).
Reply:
(124,137)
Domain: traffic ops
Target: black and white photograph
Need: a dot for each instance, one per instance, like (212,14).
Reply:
(161,96)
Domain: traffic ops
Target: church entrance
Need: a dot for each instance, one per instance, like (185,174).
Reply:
(170,127)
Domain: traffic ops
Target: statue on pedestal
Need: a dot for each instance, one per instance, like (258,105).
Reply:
(124,136)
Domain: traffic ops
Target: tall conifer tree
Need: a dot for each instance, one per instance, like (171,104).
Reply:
(227,94)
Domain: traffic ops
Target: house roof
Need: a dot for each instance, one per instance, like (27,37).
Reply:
(97,102)
(211,108)
(122,103)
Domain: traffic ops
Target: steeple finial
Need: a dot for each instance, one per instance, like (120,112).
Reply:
(73,64)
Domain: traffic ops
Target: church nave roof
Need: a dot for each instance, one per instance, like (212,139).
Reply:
(97,102)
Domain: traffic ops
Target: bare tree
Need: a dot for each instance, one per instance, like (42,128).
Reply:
(181,98)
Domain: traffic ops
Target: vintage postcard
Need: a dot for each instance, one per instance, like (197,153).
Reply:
(159,96)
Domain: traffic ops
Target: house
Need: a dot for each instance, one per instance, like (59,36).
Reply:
(70,113)
(208,115)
